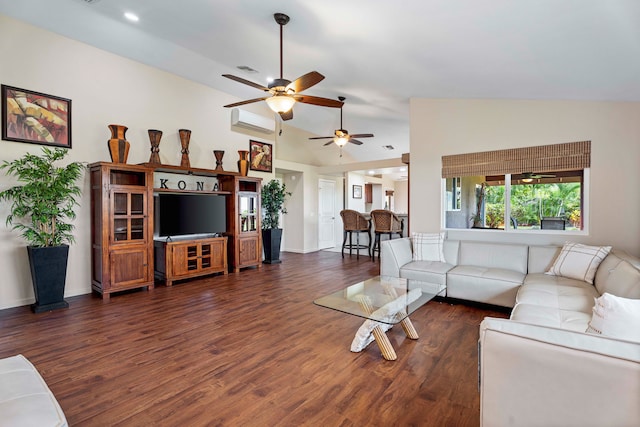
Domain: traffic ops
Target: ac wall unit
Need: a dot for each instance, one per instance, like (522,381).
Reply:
(254,122)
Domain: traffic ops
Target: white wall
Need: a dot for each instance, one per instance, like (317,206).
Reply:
(354,178)
(401,196)
(104,89)
(442,127)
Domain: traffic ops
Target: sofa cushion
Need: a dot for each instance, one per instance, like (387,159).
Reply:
(541,258)
(621,279)
(549,316)
(574,298)
(499,274)
(427,246)
(488,285)
(426,271)
(494,255)
(546,279)
(578,261)
(616,317)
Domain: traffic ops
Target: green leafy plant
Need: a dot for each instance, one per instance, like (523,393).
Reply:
(43,204)
(273,197)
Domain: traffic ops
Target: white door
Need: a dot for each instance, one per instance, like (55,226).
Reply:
(326,213)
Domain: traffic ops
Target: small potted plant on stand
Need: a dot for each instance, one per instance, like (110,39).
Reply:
(273,196)
(41,206)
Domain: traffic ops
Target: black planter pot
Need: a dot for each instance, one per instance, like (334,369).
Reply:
(271,238)
(49,275)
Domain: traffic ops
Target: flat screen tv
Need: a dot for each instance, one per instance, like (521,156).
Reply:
(185,214)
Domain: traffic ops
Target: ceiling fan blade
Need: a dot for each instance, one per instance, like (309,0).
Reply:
(305,82)
(315,100)
(248,101)
(328,143)
(355,141)
(288,115)
(246,82)
(362,135)
(322,137)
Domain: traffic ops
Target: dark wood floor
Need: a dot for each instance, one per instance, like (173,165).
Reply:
(249,349)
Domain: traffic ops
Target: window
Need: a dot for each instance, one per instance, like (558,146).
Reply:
(495,193)
(454,194)
(553,201)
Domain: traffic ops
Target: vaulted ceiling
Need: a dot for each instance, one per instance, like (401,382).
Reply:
(376,53)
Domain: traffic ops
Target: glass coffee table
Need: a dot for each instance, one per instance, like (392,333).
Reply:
(383,302)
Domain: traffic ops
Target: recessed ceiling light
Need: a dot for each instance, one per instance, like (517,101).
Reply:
(131,16)
(269,79)
(372,172)
(388,147)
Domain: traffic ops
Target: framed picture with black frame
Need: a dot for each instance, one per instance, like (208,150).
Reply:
(35,118)
(357,191)
(260,156)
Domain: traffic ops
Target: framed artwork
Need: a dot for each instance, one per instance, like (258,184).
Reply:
(357,191)
(260,156)
(35,117)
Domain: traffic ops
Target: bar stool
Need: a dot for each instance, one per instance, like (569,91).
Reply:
(384,222)
(355,222)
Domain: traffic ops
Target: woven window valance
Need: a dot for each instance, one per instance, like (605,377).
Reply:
(543,158)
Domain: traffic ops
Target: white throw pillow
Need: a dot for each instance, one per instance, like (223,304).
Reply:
(428,246)
(616,317)
(577,261)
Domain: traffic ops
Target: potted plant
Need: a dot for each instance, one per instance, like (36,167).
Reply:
(41,208)
(273,196)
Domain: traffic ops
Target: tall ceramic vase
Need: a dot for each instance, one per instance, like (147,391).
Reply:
(185,137)
(243,163)
(118,144)
(154,138)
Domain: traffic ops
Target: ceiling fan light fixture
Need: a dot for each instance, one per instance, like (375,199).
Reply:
(280,103)
(527,180)
(340,141)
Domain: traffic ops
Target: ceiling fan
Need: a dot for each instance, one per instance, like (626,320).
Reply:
(341,136)
(284,93)
(530,176)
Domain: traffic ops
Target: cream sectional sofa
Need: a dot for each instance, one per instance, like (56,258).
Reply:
(539,367)
(25,399)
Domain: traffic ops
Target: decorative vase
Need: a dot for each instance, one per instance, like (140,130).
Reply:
(243,163)
(185,137)
(118,144)
(154,137)
(218,154)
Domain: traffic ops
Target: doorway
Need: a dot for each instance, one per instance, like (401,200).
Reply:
(326,213)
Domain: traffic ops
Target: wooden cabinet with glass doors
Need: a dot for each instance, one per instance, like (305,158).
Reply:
(121,227)
(243,221)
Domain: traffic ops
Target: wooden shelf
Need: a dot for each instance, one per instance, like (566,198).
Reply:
(187,171)
(176,191)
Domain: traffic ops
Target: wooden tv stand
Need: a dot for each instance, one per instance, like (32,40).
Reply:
(181,258)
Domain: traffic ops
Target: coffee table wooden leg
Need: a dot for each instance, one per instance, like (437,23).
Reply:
(385,345)
(409,329)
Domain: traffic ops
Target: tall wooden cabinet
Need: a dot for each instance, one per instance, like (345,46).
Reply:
(121,227)
(243,221)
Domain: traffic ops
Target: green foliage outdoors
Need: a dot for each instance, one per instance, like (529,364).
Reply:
(273,197)
(43,203)
(530,203)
